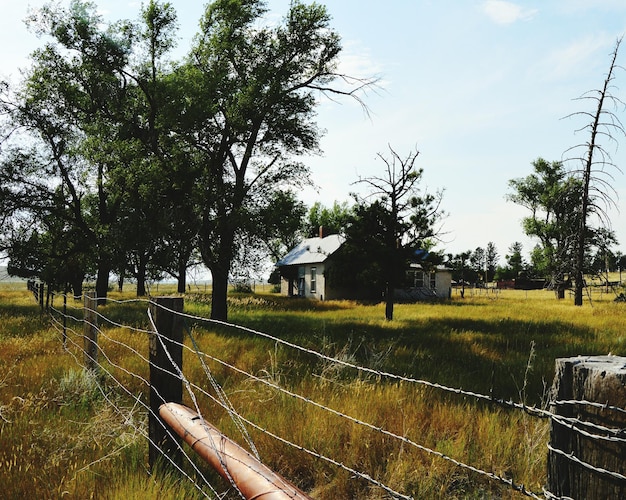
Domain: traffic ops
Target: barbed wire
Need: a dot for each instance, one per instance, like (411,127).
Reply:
(539,412)
(190,385)
(226,403)
(192,395)
(586,465)
(102,369)
(601,432)
(404,439)
(574,423)
(532,410)
(593,404)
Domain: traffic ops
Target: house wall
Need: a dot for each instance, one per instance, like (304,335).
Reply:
(443,284)
(439,282)
(305,286)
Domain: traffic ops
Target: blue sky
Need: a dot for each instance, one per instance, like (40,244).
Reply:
(480,87)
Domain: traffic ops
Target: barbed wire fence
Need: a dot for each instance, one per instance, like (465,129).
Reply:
(69,321)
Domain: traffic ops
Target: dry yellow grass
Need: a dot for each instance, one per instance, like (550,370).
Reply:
(60,437)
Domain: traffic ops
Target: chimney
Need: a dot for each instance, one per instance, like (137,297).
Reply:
(322,235)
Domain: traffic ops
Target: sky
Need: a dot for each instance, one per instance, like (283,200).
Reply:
(481,88)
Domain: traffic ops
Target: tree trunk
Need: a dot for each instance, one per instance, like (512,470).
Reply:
(578,290)
(121,276)
(77,287)
(389,298)
(219,295)
(141,276)
(182,275)
(141,286)
(217,256)
(593,151)
(102,280)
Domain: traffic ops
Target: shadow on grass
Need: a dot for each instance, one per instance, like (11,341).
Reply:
(486,356)
(8,310)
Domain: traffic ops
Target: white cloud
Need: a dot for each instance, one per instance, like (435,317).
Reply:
(503,12)
(566,61)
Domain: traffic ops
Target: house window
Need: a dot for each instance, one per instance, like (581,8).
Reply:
(313,279)
(433,281)
(301,281)
(419,279)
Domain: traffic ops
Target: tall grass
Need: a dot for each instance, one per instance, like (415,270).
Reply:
(60,436)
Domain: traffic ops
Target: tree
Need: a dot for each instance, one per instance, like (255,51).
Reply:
(552,195)
(254,92)
(460,268)
(94,102)
(491,260)
(597,193)
(515,264)
(399,220)
(334,220)
(478,260)
(51,251)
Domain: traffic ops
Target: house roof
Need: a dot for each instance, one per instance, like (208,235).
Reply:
(438,267)
(312,250)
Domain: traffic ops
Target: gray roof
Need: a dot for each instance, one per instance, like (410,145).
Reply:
(312,251)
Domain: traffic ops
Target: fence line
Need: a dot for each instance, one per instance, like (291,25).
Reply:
(368,425)
(531,410)
(137,399)
(615,434)
(539,412)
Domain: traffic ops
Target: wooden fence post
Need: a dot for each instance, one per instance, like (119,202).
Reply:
(65,319)
(586,461)
(90,331)
(166,386)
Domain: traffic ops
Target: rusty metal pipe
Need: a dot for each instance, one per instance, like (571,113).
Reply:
(254,480)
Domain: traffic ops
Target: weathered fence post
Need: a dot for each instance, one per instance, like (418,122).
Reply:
(41,291)
(90,331)
(65,319)
(166,386)
(587,454)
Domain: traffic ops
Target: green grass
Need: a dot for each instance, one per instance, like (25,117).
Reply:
(60,437)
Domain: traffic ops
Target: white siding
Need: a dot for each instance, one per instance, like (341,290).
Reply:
(307,292)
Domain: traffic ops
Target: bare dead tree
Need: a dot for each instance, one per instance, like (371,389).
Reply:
(410,217)
(597,167)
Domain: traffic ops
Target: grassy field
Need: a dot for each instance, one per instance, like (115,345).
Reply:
(60,437)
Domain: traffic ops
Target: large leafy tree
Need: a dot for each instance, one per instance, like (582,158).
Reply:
(91,111)
(333,220)
(552,196)
(250,98)
(44,171)
(60,102)
(152,161)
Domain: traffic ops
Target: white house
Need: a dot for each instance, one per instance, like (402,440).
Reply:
(434,282)
(302,269)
